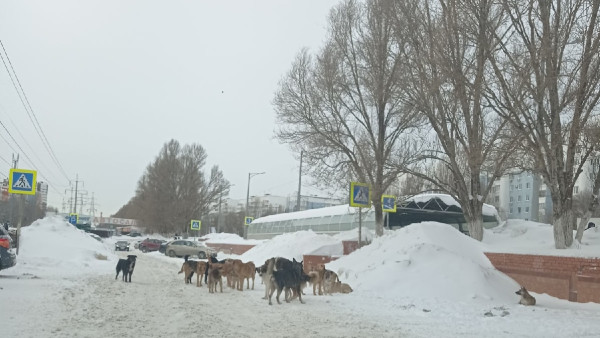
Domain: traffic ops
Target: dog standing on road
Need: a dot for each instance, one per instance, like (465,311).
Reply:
(526,298)
(127,266)
(188,267)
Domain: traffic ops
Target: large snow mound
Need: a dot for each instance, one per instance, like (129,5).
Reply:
(427,260)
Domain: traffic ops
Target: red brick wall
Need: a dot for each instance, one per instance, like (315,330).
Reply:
(236,249)
(349,246)
(312,261)
(572,278)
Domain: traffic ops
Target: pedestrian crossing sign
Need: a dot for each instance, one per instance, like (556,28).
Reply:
(360,195)
(248,220)
(195,224)
(22,181)
(388,203)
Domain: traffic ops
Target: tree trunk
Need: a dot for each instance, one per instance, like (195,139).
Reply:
(474,217)
(378,217)
(563,236)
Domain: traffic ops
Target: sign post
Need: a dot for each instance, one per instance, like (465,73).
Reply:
(360,197)
(21,181)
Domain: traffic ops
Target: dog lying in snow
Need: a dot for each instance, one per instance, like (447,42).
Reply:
(526,298)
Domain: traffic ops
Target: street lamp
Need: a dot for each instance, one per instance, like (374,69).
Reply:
(219,217)
(250,175)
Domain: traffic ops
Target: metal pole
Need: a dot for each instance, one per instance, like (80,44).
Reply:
(75,202)
(250,175)
(219,218)
(248,195)
(299,182)
(359,227)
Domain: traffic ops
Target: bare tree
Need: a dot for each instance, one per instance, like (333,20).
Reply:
(448,76)
(344,105)
(547,74)
(174,190)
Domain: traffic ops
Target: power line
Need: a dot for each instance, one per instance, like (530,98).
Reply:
(39,130)
(25,154)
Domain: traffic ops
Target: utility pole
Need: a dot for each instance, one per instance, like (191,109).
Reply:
(299,182)
(75,202)
(12,203)
(92,210)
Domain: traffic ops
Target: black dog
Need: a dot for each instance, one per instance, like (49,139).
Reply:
(289,276)
(127,266)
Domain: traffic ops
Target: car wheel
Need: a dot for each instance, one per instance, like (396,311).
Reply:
(202,255)
(171,253)
(144,250)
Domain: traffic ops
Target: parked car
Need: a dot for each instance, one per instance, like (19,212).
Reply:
(150,244)
(182,247)
(122,246)
(8,258)
(163,246)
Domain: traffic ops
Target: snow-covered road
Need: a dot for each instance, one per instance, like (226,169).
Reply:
(158,304)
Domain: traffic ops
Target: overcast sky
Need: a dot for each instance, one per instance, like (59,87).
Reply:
(110,82)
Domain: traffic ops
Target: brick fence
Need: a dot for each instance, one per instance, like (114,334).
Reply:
(572,278)
(236,249)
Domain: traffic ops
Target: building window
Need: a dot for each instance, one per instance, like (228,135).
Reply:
(526,209)
(510,210)
(518,210)
(527,185)
(520,186)
(527,197)
(511,198)
(542,206)
(497,199)
(519,198)
(576,189)
(542,193)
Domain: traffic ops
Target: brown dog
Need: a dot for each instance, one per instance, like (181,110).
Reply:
(526,298)
(339,287)
(315,280)
(200,268)
(328,277)
(214,277)
(243,271)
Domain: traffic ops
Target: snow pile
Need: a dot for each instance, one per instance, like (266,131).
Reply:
(526,237)
(294,245)
(352,235)
(228,239)
(51,247)
(441,261)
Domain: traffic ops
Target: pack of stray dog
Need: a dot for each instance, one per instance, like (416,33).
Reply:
(127,266)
